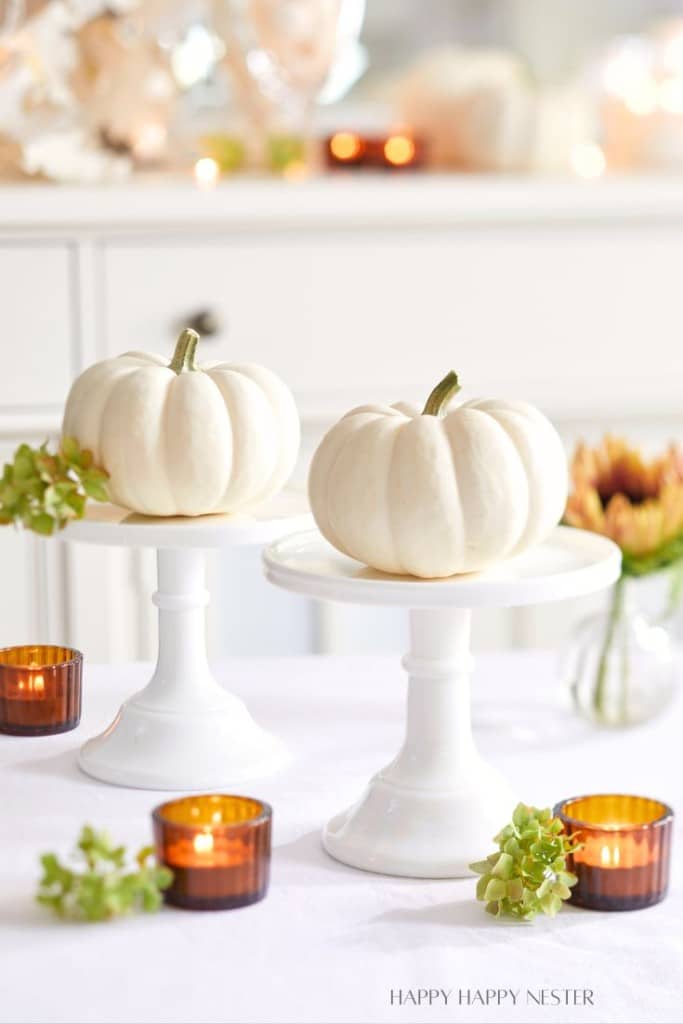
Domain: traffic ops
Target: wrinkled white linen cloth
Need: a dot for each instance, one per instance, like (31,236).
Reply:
(331,944)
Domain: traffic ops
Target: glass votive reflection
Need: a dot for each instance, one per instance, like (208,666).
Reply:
(40,689)
(218,848)
(625,858)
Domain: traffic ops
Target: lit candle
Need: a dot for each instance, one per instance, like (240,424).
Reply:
(40,690)
(345,149)
(206,172)
(397,151)
(218,848)
(401,151)
(623,863)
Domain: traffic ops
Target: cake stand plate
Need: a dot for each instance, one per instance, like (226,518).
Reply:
(435,808)
(183,731)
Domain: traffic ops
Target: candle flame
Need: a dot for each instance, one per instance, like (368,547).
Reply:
(610,857)
(399,150)
(38,684)
(203,842)
(345,146)
(206,172)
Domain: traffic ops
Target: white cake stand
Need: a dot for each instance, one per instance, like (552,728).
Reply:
(184,731)
(435,808)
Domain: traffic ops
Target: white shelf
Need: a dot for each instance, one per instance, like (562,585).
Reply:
(163,202)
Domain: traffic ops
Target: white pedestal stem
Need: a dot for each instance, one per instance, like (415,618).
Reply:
(182,675)
(183,730)
(439,745)
(434,809)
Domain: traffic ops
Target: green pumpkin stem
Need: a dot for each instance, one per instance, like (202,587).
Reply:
(441,395)
(185,355)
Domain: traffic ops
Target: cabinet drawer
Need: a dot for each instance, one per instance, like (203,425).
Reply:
(567,317)
(37,326)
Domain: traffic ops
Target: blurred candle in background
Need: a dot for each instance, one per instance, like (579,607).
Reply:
(40,690)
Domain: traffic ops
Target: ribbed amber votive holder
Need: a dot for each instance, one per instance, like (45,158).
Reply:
(40,689)
(626,853)
(218,848)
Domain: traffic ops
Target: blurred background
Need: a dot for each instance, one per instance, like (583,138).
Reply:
(359,195)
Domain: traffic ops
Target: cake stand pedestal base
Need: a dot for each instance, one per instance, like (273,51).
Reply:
(437,806)
(183,731)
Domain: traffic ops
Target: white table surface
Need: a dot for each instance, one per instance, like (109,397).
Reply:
(330,943)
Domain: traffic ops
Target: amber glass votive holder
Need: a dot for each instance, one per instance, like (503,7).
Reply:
(218,848)
(625,858)
(40,689)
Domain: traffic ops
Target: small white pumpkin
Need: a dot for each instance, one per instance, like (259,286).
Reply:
(441,492)
(181,439)
(480,110)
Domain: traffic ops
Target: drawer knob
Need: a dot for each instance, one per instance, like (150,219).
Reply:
(204,322)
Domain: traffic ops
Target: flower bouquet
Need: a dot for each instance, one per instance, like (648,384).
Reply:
(621,669)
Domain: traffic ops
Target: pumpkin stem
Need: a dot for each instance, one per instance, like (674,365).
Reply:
(441,395)
(185,355)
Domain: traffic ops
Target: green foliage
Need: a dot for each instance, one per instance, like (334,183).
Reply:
(528,873)
(43,491)
(669,554)
(102,886)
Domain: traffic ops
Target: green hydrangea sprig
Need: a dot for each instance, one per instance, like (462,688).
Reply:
(43,491)
(101,886)
(528,874)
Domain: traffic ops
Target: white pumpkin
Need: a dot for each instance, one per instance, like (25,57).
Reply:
(181,439)
(480,110)
(438,493)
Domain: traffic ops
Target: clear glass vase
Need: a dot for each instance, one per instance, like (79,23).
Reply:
(620,667)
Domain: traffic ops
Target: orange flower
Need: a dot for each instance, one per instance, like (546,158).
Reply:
(637,503)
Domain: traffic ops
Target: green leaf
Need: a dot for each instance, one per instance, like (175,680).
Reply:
(24,465)
(550,904)
(527,874)
(42,523)
(561,890)
(71,450)
(102,886)
(514,891)
(43,491)
(504,866)
(94,489)
(482,886)
(521,815)
(495,890)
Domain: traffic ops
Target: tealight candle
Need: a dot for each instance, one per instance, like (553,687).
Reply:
(218,848)
(624,861)
(40,690)
(397,151)
(206,172)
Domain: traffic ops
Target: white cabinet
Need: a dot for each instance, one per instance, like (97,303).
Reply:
(31,595)
(559,316)
(38,335)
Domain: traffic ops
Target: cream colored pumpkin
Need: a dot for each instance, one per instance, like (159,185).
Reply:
(435,494)
(480,110)
(182,439)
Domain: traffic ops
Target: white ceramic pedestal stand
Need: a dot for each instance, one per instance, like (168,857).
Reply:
(435,808)
(184,731)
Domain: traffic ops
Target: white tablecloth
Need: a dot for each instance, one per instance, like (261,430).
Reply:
(329,944)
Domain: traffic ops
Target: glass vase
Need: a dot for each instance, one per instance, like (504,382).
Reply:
(620,667)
